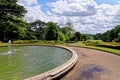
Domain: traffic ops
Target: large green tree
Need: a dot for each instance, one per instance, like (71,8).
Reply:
(12,25)
(118,37)
(111,35)
(78,36)
(37,29)
(52,31)
(116,31)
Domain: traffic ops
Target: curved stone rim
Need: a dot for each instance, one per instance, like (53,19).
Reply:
(58,71)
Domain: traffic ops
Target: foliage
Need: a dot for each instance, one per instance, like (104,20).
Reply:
(98,36)
(68,31)
(37,29)
(61,36)
(51,31)
(93,46)
(110,35)
(118,37)
(12,25)
(78,36)
(30,35)
(84,37)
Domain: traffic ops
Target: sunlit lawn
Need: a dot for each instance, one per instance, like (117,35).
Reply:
(3,44)
(85,44)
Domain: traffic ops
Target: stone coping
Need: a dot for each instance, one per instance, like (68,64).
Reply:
(59,71)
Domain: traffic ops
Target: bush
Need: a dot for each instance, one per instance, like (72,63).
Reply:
(110,46)
(61,36)
(21,41)
(119,37)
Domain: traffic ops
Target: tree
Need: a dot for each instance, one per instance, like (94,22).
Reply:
(78,36)
(105,36)
(65,31)
(5,1)
(37,29)
(118,37)
(98,36)
(61,36)
(52,31)
(84,37)
(68,30)
(116,31)
(12,25)
(69,26)
(112,34)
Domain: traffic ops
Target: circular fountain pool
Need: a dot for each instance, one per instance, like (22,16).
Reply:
(27,61)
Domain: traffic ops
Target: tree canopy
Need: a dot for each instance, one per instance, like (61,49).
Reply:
(111,35)
(12,25)
(52,31)
(37,28)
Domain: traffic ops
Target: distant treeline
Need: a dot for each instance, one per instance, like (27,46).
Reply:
(39,30)
(110,35)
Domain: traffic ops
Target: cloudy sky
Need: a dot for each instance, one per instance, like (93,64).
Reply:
(87,16)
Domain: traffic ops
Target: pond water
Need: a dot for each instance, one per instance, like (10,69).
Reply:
(26,61)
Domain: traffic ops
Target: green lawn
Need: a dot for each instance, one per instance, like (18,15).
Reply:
(85,44)
(93,44)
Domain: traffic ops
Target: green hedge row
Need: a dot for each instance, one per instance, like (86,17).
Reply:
(37,42)
(109,46)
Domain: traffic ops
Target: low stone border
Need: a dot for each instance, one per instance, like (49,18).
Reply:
(57,72)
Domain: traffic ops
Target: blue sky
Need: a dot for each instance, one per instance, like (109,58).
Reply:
(97,1)
(107,1)
(45,1)
(87,16)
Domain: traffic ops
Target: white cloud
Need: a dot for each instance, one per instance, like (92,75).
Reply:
(34,10)
(73,7)
(119,2)
(86,15)
(34,13)
(27,2)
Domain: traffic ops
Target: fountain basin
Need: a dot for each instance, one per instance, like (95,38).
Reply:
(33,60)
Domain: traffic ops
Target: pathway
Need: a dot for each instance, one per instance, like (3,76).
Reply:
(94,65)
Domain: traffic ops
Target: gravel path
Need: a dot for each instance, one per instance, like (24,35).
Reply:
(94,65)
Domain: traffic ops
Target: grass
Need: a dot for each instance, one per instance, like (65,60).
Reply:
(85,44)
(37,42)
(3,44)
(93,43)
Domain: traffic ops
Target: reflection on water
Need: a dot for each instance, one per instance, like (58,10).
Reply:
(27,61)
(12,51)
